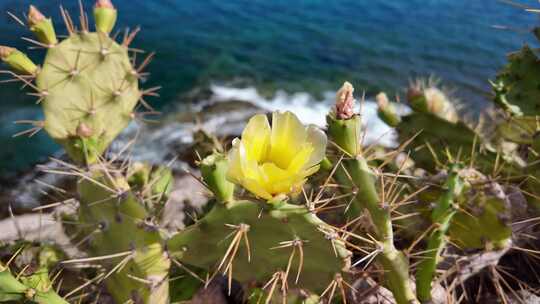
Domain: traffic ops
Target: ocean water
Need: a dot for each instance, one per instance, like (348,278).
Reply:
(301,48)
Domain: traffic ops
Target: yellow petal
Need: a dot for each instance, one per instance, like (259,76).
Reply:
(235,173)
(288,136)
(317,138)
(301,159)
(256,137)
(277,180)
(256,188)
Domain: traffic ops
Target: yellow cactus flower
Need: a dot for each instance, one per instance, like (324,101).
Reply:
(269,161)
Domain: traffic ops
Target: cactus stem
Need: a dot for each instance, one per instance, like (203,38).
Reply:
(442,215)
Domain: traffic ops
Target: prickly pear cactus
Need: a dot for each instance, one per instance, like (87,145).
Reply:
(116,226)
(87,85)
(89,89)
(516,86)
(255,241)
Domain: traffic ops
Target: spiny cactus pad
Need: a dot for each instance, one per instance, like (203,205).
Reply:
(485,224)
(518,84)
(521,130)
(88,89)
(434,136)
(267,227)
(114,223)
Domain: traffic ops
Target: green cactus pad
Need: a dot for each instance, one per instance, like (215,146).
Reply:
(482,225)
(521,130)
(435,135)
(119,223)
(518,83)
(205,243)
(88,93)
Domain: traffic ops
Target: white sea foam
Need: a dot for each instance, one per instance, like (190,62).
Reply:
(310,110)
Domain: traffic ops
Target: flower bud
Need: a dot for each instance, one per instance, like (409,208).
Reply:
(17,60)
(41,26)
(105,15)
(214,172)
(5,51)
(386,111)
(104,4)
(345,102)
(35,16)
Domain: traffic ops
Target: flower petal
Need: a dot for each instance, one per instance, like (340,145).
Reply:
(256,137)
(301,159)
(256,188)
(287,139)
(235,173)
(317,138)
(277,180)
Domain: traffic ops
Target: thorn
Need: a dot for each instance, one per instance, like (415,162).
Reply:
(129,37)
(37,126)
(19,21)
(68,21)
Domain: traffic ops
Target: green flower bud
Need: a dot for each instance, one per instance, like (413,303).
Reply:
(214,172)
(105,15)
(387,111)
(17,60)
(41,27)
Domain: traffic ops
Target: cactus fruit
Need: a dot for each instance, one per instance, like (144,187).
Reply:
(254,241)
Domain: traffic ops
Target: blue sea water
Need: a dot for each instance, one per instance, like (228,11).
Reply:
(296,45)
